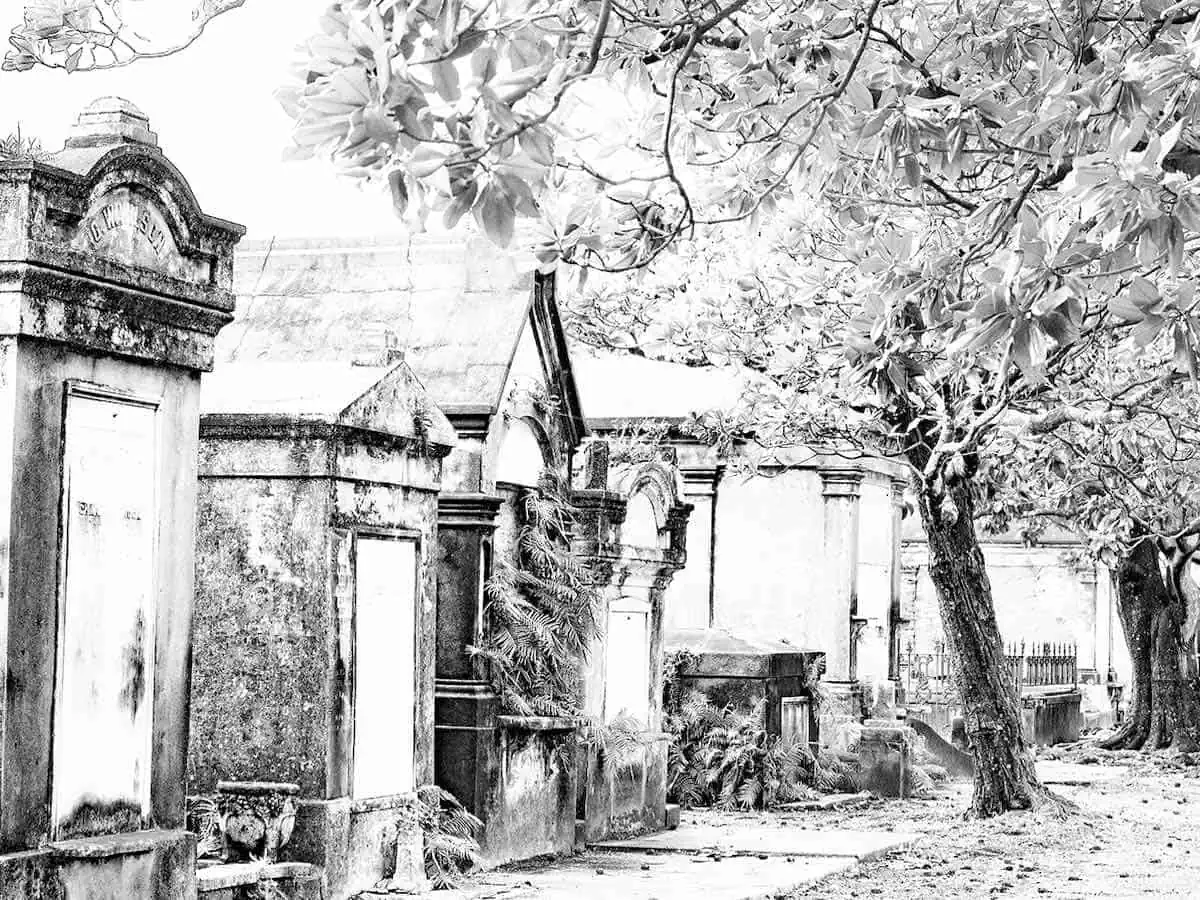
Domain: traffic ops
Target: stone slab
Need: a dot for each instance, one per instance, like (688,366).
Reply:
(654,876)
(827,801)
(1075,774)
(775,839)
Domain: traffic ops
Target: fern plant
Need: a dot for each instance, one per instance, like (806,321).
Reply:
(449,832)
(540,612)
(204,820)
(724,758)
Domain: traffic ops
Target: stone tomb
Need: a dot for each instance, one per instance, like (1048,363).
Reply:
(631,526)
(314,630)
(113,286)
(751,674)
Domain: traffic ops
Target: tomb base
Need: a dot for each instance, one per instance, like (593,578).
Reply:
(626,797)
(253,881)
(142,864)
(1051,716)
(359,843)
(884,759)
(843,703)
(465,717)
(517,774)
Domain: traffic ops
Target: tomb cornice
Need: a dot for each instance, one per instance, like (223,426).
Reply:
(103,316)
(841,482)
(285,427)
(459,510)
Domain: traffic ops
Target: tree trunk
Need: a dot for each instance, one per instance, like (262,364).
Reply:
(1165,699)
(1004,771)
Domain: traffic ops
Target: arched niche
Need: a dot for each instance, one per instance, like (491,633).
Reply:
(522,456)
(643,525)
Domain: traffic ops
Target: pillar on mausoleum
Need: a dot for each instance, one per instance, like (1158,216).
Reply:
(631,532)
(896,617)
(466,703)
(114,287)
(690,601)
(316,612)
(841,489)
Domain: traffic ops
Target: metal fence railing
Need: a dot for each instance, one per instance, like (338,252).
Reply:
(926,676)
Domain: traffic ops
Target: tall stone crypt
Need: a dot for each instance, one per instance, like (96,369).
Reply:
(314,644)
(113,285)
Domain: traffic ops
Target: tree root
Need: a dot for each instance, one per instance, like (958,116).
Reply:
(1130,736)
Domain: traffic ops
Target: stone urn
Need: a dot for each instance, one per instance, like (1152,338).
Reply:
(257,818)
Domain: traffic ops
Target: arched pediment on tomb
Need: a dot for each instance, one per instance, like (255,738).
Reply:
(654,501)
(104,245)
(127,227)
(110,196)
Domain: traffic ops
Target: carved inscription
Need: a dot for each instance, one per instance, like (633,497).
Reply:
(128,228)
(123,215)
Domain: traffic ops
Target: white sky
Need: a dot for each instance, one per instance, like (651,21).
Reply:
(217,119)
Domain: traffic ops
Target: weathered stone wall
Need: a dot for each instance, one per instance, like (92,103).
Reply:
(768,560)
(531,790)
(264,625)
(272,675)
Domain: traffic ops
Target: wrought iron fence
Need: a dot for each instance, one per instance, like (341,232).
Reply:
(927,677)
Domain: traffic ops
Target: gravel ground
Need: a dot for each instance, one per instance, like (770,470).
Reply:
(1135,835)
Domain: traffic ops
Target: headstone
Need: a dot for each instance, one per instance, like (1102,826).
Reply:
(115,285)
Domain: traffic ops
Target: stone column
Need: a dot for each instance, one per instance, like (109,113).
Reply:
(895,617)
(841,489)
(465,706)
(1088,661)
(691,600)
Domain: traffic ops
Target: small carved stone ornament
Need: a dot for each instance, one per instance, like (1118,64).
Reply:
(257,818)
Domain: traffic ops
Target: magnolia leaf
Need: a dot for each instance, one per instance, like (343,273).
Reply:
(1147,330)
(427,159)
(495,214)
(1059,327)
(538,144)
(1142,293)
(445,80)
(399,191)
(461,204)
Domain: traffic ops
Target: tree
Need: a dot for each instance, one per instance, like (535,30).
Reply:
(1129,486)
(962,199)
(78,35)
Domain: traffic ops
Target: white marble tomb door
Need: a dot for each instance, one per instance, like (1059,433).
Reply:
(627,660)
(103,708)
(384,666)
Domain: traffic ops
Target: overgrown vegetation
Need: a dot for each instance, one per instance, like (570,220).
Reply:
(540,614)
(723,757)
(17,146)
(449,832)
(203,819)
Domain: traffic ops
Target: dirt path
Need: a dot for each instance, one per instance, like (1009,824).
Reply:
(1135,836)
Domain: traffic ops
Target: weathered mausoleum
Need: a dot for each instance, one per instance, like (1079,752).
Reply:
(788,557)
(314,627)
(114,284)
(632,532)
